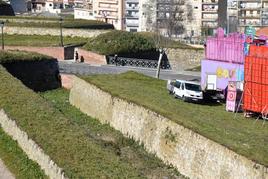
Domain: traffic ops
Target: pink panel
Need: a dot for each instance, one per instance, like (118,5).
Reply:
(226,49)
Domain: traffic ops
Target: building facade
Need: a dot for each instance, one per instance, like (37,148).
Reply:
(132,15)
(110,11)
(252,13)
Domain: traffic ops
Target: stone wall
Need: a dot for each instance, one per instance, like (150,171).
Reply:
(36,75)
(53,31)
(192,154)
(33,151)
(60,53)
(182,59)
(91,57)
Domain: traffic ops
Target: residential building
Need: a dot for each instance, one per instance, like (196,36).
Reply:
(209,16)
(232,16)
(54,6)
(252,13)
(132,15)
(110,11)
(38,6)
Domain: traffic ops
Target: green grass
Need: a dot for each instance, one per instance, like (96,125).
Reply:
(212,121)
(197,68)
(43,22)
(16,160)
(41,40)
(79,144)
(13,55)
(111,140)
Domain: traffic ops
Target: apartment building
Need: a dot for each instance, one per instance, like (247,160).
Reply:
(83,9)
(252,13)
(110,11)
(132,15)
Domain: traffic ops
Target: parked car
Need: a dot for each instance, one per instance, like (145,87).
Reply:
(186,90)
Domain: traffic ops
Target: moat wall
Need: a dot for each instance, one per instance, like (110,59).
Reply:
(192,154)
(37,75)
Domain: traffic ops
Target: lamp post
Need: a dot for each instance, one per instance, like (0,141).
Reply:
(61,38)
(2,23)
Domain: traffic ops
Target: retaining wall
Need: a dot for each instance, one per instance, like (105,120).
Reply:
(182,59)
(60,53)
(91,57)
(37,75)
(33,151)
(53,31)
(192,154)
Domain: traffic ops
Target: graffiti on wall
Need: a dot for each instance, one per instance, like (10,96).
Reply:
(234,74)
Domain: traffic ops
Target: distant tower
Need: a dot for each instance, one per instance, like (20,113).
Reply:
(19,6)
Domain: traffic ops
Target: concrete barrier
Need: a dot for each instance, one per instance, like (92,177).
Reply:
(192,154)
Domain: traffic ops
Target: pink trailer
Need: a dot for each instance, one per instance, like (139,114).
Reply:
(226,49)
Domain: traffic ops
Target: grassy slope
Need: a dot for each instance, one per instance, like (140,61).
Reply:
(53,22)
(212,121)
(16,160)
(126,149)
(40,40)
(68,141)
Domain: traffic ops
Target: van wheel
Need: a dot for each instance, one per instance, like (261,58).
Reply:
(184,98)
(175,96)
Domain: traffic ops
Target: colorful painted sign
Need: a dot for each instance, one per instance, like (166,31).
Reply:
(231,97)
(224,72)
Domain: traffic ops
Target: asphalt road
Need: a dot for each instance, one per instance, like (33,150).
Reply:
(86,69)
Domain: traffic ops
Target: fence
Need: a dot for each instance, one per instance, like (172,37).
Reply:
(135,62)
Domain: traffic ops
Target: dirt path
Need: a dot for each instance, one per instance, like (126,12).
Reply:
(4,172)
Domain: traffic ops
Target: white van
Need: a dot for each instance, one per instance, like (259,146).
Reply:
(188,90)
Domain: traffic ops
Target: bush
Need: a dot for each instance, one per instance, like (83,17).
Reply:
(12,55)
(120,42)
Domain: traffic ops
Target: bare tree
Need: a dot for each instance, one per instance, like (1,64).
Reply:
(166,18)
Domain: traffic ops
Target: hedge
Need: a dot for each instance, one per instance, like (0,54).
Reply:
(15,55)
(119,42)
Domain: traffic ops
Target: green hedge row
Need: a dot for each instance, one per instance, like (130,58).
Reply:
(122,42)
(13,55)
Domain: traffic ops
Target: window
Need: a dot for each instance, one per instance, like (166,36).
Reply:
(177,84)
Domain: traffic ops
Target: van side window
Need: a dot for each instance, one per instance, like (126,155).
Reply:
(177,84)
(182,86)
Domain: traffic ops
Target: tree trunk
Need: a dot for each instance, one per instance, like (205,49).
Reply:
(159,63)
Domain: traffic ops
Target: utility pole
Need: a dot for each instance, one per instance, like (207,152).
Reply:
(61,37)
(2,23)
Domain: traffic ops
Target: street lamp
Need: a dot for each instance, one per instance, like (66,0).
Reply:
(2,23)
(61,38)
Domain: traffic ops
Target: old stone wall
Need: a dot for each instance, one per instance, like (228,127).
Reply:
(56,52)
(60,53)
(53,31)
(33,151)
(183,59)
(91,57)
(36,75)
(192,154)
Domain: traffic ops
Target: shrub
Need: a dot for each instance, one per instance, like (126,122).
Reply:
(14,55)
(120,42)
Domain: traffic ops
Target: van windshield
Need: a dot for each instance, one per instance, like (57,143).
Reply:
(193,87)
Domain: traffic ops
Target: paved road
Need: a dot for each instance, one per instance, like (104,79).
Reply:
(4,172)
(86,69)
